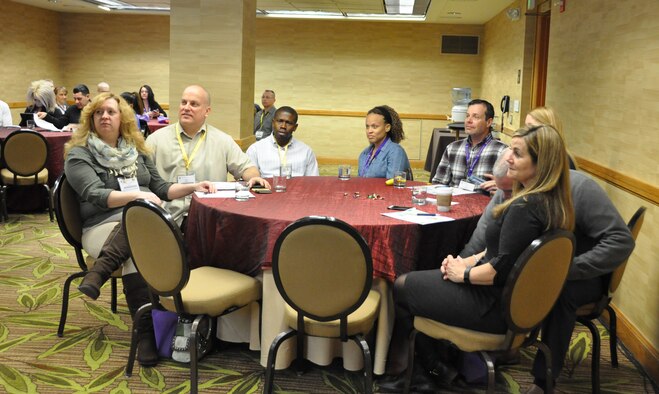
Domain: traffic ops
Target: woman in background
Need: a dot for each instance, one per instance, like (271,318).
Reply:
(547,115)
(41,101)
(384,156)
(147,104)
(60,96)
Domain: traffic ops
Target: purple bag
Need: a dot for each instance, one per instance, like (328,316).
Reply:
(164,326)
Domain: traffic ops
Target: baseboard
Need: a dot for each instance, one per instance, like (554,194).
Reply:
(642,350)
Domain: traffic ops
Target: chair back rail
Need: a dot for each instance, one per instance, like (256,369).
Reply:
(25,153)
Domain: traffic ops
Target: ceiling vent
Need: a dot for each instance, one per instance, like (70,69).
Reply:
(463,45)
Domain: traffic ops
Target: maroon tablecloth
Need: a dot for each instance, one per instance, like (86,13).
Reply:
(155,125)
(25,199)
(241,235)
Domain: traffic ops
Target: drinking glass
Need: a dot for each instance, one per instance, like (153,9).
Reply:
(242,191)
(344,172)
(286,170)
(279,183)
(400,179)
(419,195)
(30,124)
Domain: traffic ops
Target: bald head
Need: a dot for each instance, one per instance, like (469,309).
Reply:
(194,108)
(103,87)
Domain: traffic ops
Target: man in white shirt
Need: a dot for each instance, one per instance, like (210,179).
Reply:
(280,148)
(5,115)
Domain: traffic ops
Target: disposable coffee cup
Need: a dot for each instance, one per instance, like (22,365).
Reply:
(444,197)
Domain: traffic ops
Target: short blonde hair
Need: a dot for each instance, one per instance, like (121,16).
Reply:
(128,128)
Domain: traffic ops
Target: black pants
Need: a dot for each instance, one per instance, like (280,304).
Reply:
(559,324)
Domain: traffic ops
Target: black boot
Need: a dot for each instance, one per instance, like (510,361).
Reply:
(137,294)
(113,253)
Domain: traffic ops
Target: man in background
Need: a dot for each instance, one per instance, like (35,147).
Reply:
(474,155)
(102,87)
(270,153)
(263,118)
(72,113)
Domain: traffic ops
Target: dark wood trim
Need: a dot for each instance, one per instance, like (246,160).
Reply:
(630,184)
(244,143)
(642,350)
(359,114)
(355,162)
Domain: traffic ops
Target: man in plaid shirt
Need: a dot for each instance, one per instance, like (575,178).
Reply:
(475,155)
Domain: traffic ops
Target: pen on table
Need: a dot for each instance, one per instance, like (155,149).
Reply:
(425,214)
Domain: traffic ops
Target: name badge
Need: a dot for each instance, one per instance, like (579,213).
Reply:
(259,134)
(189,178)
(467,186)
(128,184)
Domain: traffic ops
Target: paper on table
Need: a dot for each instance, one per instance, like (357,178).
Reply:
(456,191)
(410,215)
(44,125)
(220,194)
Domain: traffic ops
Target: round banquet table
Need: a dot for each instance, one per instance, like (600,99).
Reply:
(31,198)
(241,236)
(155,125)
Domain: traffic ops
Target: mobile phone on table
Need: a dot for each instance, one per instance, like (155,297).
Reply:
(261,190)
(398,207)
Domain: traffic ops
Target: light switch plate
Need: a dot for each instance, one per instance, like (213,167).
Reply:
(516,105)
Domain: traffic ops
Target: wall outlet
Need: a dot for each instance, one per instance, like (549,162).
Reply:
(516,105)
(510,119)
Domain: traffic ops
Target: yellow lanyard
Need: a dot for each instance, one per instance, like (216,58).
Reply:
(261,123)
(282,158)
(187,160)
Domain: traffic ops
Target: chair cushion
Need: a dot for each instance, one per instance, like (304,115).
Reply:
(359,322)
(8,178)
(465,339)
(211,291)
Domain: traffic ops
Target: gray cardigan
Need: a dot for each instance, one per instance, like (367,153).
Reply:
(93,183)
(603,239)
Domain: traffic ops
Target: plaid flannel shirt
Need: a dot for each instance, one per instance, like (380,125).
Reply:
(453,166)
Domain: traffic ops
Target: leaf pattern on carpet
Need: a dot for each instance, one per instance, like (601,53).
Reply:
(35,261)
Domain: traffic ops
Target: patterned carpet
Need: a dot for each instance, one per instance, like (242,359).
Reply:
(34,262)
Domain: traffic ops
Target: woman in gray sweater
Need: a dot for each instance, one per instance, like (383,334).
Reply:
(108,165)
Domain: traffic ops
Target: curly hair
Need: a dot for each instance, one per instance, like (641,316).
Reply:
(41,94)
(127,129)
(391,117)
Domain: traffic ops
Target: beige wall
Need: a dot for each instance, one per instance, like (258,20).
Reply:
(30,50)
(603,78)
(603,70)
(354,66)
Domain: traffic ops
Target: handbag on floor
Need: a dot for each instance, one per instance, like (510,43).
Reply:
(164,328)
(181,341)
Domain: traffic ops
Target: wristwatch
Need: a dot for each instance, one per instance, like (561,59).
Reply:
(466,274)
